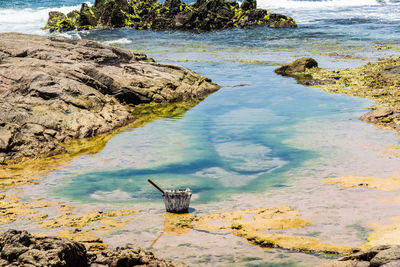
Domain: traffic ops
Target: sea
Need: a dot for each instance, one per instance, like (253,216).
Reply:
(261,140)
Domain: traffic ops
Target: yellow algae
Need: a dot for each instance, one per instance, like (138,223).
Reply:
(294,243)
(118,213)
(391,183)
(69,220)
(30,170)
(38,217)
(178,224)
(251,224)
(392,151)
(64,207)
(11,210)
(91,241)
(262,218)
(343,55)
(384,234)
(110,224)
(146,113)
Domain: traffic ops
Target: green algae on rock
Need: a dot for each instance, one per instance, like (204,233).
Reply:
(204,15)
(378,81)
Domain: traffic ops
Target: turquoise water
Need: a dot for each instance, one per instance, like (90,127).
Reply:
(234,141)
(237,139)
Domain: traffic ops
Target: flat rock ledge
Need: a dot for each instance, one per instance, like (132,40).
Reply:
(204,15)
(379,256)
(19,248)
(54,89)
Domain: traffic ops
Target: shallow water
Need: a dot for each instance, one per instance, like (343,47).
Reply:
(262,140)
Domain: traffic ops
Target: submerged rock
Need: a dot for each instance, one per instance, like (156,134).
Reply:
(204,15)
(19,248)
(53,90)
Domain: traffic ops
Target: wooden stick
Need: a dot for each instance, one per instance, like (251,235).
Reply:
(156,186)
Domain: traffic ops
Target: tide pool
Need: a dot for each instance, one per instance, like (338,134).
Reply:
(235,141)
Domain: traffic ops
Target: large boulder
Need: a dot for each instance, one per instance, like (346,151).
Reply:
(297,66)
(55,89)
(203,15)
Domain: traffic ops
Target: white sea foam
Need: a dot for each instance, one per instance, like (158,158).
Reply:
(119,41)
(291,4)
(28,20)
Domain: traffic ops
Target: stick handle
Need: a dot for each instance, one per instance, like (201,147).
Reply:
(156,186)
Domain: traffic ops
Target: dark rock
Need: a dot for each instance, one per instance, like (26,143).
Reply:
(204,15)
(58,22)
(56,89)
(248,4)
(19,248)
(297,66)
(87,19)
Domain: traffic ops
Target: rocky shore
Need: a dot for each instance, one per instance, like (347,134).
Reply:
(19,248)
(378,81)
(384,255)
(204,15)
(53,90)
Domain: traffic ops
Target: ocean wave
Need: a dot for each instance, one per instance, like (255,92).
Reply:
(118,41)
(293,4)
(28,20)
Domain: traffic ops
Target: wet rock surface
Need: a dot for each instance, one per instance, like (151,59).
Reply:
(204,15)
(53,90)
(384,255)
(19,248)
(299,65)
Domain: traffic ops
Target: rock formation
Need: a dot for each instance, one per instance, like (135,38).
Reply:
(19,248)
(299,65)
(384,255)
(53,90)
(204,15)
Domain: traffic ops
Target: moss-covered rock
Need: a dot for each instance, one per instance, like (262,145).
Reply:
(204,15)
(86,19)
(58,22)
